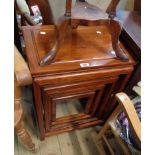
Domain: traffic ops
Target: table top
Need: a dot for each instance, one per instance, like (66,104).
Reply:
(83,48)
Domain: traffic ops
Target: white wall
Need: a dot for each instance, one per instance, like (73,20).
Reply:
(58,6)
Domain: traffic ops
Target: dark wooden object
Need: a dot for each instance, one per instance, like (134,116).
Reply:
(84,67)
(84,13)
(137,6)
(131,37)
(17,41)
(112,7)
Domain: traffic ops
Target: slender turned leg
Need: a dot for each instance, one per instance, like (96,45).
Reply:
(24,136)
(18,122)
(115,29)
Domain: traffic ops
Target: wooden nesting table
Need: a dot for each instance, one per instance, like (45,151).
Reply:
(85,69)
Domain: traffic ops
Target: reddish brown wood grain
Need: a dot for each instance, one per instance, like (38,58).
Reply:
(105,100)
(85,40)
(120,85)
(98,99)
(66,79)
(86,14)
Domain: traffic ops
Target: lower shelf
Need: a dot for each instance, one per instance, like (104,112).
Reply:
(74,120)
(71,126)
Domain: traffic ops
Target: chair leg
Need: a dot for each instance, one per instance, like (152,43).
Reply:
(61,28)
(111,10)
(24,136)
(115,30)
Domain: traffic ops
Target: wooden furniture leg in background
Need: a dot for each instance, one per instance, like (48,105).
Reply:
(24,136)
(111,10)
(20,130)
(22,77)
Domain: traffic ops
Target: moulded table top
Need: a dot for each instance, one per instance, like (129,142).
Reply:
(83,48)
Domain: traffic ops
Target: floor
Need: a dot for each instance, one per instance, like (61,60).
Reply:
(72,143)
(78,142)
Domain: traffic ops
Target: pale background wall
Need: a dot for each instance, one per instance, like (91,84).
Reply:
(58,6)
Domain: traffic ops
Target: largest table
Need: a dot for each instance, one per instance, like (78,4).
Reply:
(85,70)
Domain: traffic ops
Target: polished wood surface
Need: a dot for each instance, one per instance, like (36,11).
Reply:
(85,14)
(61,27)
(83,68)
(86,43)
